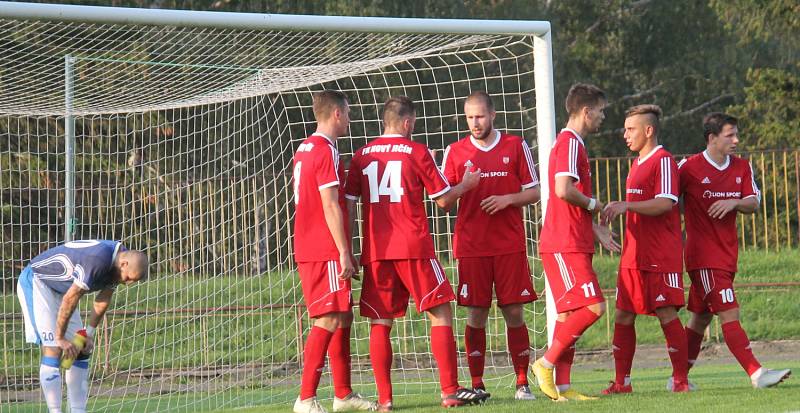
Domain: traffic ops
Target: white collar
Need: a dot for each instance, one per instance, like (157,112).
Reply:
(486,148)
(574,133)
(324,136)
(714,164)
(392,135)
(642,160)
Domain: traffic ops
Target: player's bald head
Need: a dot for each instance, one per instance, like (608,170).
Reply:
(649,115)
(133,266)
(397,109)
(480,98)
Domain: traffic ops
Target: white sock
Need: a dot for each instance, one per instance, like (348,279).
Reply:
(757,374)
(50,381)
(77,379)
(563,387)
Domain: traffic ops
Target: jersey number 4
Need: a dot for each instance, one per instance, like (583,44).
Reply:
(390,184)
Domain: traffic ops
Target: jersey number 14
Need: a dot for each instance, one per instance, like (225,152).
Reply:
(390,184)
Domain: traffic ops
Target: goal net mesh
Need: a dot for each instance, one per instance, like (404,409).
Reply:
(184,141)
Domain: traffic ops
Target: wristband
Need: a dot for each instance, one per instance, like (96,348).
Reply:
(592,204)
(89,330)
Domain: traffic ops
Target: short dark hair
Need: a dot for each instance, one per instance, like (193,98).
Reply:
(398,108)
(653,110)
(581,95)
(715,121)
(482,97)
(326,101)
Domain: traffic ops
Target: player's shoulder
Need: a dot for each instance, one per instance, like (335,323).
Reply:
(691,162)
(510,138)
(316,144)
(739,162)
(566,138)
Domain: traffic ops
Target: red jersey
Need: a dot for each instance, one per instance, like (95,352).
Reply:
(568,228)
(711,242)
(506,168)
(653,243)
(316,167)
(390,175)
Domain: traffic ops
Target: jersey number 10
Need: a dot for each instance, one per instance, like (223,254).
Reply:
(391,181)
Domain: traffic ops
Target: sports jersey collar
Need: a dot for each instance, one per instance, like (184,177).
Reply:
(714,164)
(393,135)
(324,136)
(574,133)
(487,148)
(646,157)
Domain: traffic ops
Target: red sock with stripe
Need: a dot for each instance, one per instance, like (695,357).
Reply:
(677,349)
(443,346)
(569,332)
(339,356)
(380,353)
(739,345)
(694,341)
(475,345)
(624,346)
(314,360)
(520,348)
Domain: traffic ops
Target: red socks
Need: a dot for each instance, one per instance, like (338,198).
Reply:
(564,363)
(520,348)
(694,341)
(443,346)
(739,345)
(380,353)
(314,360)
(339,356)
(624,346)
(475,344)
(568,332)
(677,349)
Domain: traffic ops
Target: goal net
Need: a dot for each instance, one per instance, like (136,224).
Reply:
(184,132)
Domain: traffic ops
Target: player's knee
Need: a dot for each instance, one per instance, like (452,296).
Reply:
(624,317)
(728,315)
(329,322)
(345,319)
(513,315)
(599,309)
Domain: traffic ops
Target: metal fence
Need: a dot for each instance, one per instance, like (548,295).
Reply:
(773,228)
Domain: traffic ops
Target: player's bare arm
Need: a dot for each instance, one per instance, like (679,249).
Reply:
(101,303)
(335,220)
(565,190)
(652,207)
(722,207)
(496,203)
(468,181)
(68,305)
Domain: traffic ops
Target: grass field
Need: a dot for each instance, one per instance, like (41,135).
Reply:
(721,389)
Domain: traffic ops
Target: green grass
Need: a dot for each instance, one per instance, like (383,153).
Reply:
(722,388)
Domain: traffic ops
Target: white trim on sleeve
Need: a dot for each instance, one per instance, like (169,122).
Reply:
(440,193)
(328,185)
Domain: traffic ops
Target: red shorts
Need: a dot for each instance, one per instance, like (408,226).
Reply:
(711,291)
(323,291)
(572,280)
(388,283)
(642,292)
(510,275)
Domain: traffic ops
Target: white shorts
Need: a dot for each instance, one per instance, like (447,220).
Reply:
(40,306)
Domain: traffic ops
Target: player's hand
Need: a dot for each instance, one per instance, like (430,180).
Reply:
(598,207)
(721,208)
(68,350)
(612,210)
(357,267)
(346,265)
(495,203)
(89,346)
(606,237)
(471,179)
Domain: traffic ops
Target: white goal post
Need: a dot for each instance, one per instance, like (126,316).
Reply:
(173,131)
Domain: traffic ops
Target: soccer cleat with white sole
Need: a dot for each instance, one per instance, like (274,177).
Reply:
(524,393)
(769,378)
(671,385)
(309,405)
(353,401)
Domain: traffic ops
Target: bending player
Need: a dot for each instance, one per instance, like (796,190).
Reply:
(489,239)
(567,242)
(651,268)
(390,175)
(716,185)
(322,252)
(49,290)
